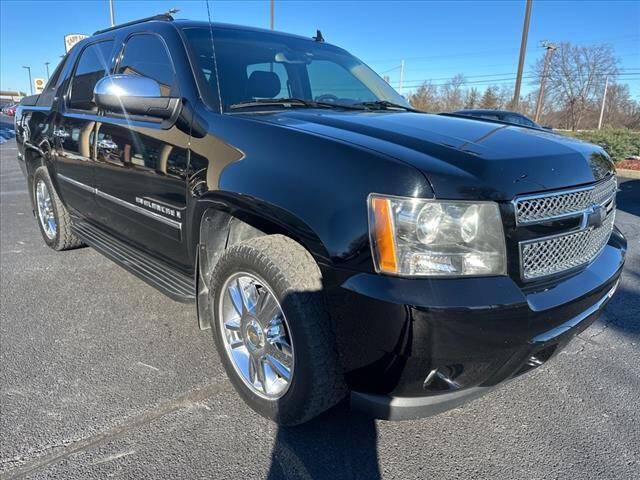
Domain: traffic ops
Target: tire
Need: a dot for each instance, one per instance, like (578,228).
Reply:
(290,273)
(59,237)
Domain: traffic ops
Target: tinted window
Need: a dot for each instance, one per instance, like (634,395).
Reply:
(518,120)
(146,55)
(95,62)
(302,69)
(46,97)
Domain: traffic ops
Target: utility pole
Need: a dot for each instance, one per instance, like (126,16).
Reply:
(273,9)
(547,59)
(46,64)
(111,14)
(604,98)
(401,76)
(523,49)
(30,82)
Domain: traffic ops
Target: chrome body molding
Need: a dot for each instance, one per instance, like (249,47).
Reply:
(77,183)
(122,203)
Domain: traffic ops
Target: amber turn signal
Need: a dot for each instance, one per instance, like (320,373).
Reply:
(383,235)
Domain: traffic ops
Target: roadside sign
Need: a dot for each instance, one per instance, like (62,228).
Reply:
(71,39)
(38,84)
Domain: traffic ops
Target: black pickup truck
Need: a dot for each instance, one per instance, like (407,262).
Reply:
(339,243)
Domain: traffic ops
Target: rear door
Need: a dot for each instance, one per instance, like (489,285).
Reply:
(141,166)
(74,129)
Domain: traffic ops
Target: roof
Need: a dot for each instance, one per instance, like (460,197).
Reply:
(182,23)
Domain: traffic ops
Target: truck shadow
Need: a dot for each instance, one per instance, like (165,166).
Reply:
(339,444)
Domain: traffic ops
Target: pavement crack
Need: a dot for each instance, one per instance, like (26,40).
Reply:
(193,398)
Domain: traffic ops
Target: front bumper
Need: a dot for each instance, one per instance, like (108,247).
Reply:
(416,347)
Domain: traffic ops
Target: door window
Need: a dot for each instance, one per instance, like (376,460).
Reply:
(94,63)
(146,55)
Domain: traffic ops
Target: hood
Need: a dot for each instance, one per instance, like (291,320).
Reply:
(461,158)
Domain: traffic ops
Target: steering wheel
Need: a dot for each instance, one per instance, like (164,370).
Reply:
(327,97)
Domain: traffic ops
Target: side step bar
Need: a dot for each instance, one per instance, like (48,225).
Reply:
(169,281)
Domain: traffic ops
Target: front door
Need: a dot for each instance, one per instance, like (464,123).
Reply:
(140,166)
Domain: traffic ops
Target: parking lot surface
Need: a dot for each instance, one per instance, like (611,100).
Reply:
(102,376)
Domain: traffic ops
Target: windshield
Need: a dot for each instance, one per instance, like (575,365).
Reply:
(258,66)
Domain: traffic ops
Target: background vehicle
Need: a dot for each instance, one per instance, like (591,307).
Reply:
(9,110)
(506,116)
(334,239)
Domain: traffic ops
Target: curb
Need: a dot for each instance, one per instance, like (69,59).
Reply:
(623,172)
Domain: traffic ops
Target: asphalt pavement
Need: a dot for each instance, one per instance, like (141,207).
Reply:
(102,376)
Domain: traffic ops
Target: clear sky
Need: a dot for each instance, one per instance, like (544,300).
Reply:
(436,39)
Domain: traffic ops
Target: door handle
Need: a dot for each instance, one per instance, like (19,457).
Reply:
(107,144)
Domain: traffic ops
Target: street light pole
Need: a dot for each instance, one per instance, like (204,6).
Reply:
(46,64)
(30,82)
(547,58)
(604,99)
(273,13)
(523,49)
(401,76)
(111,14)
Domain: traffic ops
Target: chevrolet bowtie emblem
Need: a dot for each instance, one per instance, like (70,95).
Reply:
(595,216)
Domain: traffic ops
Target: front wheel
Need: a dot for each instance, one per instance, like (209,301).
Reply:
(53,218)
(273,332)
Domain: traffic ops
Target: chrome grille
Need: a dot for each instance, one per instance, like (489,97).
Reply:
(563,252)
(566,250)
(553,205)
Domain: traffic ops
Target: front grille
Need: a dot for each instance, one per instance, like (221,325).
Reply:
(549,206)
(566,250)
(556,254)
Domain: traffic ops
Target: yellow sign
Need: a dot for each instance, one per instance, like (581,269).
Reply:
(71,39)
(39,84)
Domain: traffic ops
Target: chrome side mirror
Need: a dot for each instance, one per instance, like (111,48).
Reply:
(134,95)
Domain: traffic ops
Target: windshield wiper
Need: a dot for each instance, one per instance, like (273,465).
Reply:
(387,105)
(289,102)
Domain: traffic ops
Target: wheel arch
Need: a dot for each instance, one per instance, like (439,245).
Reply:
(226,219)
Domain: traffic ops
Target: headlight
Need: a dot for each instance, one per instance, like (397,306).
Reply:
(448,238)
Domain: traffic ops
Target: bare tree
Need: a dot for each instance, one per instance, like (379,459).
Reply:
(575,77)
(452,94)
(426,98)
(472,98)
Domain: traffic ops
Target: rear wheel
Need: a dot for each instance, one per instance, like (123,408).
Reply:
(53,218)
(273,332)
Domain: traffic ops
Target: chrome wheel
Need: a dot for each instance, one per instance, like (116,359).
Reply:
(45,210)
(256,335)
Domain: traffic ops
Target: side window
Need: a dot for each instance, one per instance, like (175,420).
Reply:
(147,56)
(49,92)
(94,63)
(277,68)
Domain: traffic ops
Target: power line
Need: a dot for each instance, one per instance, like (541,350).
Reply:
(603,74)
(498,81)
(454,55)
